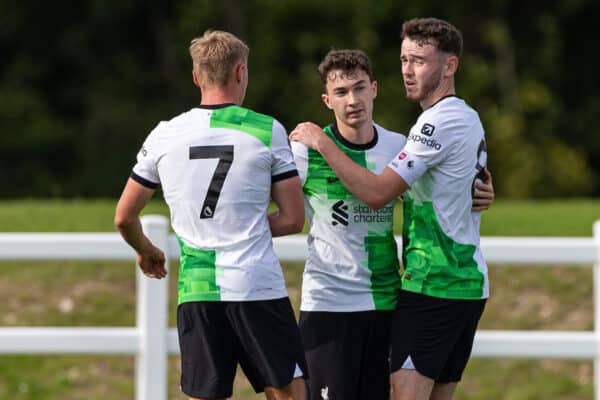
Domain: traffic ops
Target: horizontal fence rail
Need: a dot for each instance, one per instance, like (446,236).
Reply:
(109,246)
(151,339)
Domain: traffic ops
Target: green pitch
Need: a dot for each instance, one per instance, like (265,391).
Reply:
(98,293)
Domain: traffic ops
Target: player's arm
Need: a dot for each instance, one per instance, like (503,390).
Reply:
(375,190)
(289,217)
(484,193)
(127,220)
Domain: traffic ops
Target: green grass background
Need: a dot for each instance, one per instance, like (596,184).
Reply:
(59,293)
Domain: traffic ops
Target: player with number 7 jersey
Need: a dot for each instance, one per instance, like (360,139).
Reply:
(220,165)
(216,164)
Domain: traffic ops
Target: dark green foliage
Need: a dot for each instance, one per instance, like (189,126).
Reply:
(81,89)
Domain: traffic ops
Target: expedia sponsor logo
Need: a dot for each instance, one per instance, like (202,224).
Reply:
(427,129)
(427,142)
(340,214)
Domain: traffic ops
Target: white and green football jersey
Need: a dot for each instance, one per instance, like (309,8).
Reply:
(216,165)
(444,154)
(352,262)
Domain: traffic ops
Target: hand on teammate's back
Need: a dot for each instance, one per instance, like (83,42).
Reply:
(484,193)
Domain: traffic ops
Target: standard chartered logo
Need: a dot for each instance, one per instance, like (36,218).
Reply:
(339,213)
(360,213)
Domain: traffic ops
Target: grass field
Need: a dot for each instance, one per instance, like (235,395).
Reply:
(103,294)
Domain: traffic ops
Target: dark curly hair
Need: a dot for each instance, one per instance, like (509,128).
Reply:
(436,32)
(348,61)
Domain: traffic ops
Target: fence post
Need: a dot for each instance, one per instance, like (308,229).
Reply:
(152,320)
(597,310)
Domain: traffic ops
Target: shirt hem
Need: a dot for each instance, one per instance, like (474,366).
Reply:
(445,295)
(223,298)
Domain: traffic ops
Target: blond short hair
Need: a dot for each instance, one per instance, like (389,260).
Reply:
(214,54)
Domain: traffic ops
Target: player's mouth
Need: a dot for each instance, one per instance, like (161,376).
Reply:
(354,114)
(410,85)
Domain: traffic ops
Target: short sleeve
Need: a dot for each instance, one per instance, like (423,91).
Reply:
(145,171)
(300,153)
(282,165)
(427,145)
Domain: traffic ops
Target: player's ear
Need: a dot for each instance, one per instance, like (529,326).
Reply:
(239,72)
(325,99)
(451,65)
(374,88)
(195,78)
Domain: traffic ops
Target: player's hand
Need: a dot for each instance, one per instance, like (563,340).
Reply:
(152,262)
(309,134)
(483,197)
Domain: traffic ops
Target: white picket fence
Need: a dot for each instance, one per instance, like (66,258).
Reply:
(151,340)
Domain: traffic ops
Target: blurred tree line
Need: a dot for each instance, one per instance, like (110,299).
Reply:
(83,82)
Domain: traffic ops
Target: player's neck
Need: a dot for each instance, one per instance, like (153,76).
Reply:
(212,96)
(446,88)
(357,135)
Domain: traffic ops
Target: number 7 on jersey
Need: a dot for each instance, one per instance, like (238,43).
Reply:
(225,156)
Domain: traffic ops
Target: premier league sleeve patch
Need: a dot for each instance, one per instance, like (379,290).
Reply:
(408,166)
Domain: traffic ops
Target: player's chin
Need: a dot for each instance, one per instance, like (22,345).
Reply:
(355,119)
(412,94)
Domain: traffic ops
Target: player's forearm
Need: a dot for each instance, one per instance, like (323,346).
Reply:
(363,183)
(283,224)
(127,215)
(289,217)
(131,231)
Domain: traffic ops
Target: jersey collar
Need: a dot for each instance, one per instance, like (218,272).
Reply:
(214,106)
(443,98)
(354,146)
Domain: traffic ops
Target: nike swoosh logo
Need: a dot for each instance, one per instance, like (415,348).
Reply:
(332,179)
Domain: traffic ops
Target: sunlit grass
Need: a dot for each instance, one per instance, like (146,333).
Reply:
(59,293)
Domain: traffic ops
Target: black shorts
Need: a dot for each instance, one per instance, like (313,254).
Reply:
(262,336)
(436,333)
(347,354)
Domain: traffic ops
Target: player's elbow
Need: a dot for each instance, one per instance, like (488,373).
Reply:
(379,192)
(122,221)
(376,205)
(376,201)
